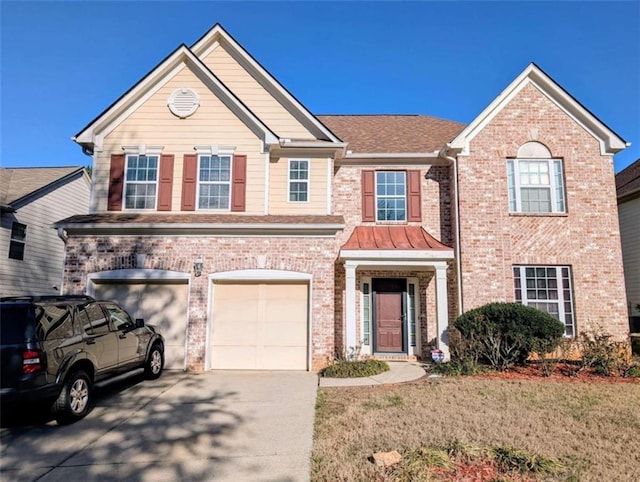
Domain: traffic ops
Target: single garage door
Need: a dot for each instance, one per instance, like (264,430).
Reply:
(160,304)
(259,326)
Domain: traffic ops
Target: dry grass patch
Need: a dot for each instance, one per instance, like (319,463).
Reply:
(579,431)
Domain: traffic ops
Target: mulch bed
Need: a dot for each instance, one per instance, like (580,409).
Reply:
(562,373)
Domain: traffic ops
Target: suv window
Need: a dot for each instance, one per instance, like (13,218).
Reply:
(119,318)
(93,319)
(53,322)
(18,321)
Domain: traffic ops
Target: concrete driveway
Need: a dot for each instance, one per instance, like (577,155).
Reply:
(222,426)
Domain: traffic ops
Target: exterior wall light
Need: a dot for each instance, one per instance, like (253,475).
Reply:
(197,266)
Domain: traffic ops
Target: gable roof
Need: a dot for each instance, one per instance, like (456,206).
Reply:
(390,133)
(610,142)
(180,58)
(218,34)
(20,182)
(628,180)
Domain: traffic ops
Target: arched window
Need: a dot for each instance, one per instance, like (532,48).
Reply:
(535,181)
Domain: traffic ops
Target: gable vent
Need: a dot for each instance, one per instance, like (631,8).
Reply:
(183,102)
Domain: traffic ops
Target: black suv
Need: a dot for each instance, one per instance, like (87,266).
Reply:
(55,349)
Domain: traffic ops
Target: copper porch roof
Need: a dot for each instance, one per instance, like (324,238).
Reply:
(392,133)
(195,218)
(392,237)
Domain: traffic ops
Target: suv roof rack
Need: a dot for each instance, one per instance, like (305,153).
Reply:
(48,298)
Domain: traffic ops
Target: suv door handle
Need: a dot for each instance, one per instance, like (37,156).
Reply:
(90,341)
(122,335)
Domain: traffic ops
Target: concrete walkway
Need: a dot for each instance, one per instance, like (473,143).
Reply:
(399,372)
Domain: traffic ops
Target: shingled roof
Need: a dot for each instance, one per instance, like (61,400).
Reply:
(16,183)
(628,180)
(392,133)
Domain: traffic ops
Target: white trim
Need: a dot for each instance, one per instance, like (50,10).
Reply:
(366,349)
(392,155)
(406,203)
(442,310)
(215,150)
(329,185)
(259,275)
(350,306)
(220,183)
(303,181)
(138,274)
(417,256)
(267,182)
(143,150)
(273,87)
(610,142)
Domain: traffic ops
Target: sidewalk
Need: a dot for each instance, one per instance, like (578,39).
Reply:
(399,371)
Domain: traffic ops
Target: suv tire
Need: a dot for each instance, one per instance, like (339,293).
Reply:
(75,399)
(155,362)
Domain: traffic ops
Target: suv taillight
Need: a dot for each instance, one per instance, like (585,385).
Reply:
(31,362)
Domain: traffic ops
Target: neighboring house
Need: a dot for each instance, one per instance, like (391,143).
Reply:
(628,189)
(259,235)
(31,200)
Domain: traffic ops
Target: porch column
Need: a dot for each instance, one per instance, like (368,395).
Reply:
(442,307)
(350,308)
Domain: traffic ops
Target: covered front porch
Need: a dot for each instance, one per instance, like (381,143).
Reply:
(396,292)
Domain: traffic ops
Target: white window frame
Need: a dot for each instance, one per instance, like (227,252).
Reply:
(404,197)
(17,241)
(563,312)
(556,186)
(211,153)
(300,181)
(367,344)
(138,154)
(413,349)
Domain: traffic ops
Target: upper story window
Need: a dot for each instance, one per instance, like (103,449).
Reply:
(141,181)
(391,196)
(535,181)
(18,240)
(547,288)
(298,180)
(214,181)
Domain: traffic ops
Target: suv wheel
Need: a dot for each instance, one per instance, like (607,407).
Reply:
(154,363)
(74,400)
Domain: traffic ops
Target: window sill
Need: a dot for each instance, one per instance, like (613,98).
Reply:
(392,223)
(539,215)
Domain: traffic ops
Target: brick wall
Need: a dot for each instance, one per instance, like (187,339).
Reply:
(90,254)
(586,237)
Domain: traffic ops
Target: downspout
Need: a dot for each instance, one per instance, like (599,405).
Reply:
(62,234)
(443,155)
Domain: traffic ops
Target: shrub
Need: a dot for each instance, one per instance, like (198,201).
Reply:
(502,334)
(605,356)
(354,369)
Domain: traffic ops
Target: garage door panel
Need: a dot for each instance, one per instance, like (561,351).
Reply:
(259,326)
(159,304)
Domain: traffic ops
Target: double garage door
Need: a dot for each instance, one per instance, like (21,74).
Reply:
(259,326)
(161,304)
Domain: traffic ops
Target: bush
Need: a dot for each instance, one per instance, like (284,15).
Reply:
(354,369)
(503,334)
(605,356)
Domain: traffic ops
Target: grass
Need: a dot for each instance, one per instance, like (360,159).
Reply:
(355,369)
(520,430)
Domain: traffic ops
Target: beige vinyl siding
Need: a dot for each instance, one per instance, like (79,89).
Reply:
(153,124)
(42,266)
(279,188)
(629,215)
(254,96)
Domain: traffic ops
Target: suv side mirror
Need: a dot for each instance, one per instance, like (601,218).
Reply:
(139,322)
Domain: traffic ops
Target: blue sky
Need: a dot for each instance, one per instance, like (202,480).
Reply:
(62,63)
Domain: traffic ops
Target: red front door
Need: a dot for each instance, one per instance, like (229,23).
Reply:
(389,333)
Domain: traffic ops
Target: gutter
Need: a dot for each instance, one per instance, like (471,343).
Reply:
(443,155)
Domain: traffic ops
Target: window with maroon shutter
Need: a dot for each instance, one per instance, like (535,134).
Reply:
(116,182)
(414,198)
(189,182)
(239,183)
(166,182)
(368,196)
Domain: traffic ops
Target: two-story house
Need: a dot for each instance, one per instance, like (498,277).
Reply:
(31,200)
(259,235)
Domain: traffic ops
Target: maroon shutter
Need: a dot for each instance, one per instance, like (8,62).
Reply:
(116,182)
(189,182)
(368,196)
(166,182)
(239,183)
(414,202)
